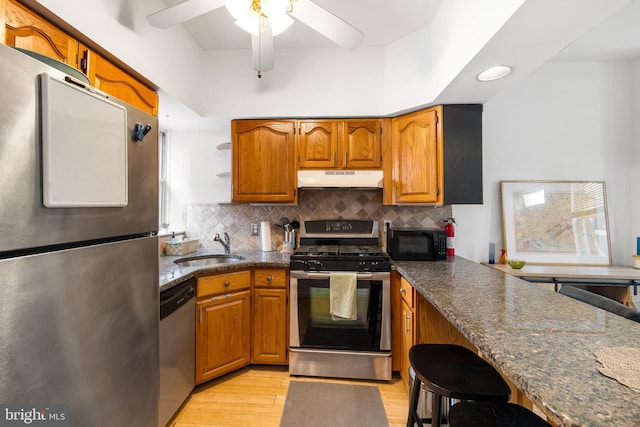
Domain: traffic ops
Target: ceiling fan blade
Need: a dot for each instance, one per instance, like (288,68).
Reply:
(182,12)
(262,47)
(327,24)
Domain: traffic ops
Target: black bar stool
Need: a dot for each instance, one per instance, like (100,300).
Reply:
(454,372)
(491,414)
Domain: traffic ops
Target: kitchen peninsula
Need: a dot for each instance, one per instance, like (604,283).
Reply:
(541,341)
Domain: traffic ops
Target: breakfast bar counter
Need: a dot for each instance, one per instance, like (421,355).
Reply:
(541,341)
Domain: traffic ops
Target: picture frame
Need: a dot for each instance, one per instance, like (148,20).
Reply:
(556,222)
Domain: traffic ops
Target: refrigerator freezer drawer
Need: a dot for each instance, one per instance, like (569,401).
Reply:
(80,328)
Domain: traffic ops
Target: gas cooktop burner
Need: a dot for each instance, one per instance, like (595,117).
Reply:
(362,251)
(317,250)
(339,250)
(339,245)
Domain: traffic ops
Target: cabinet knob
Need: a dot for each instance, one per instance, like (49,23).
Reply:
(403,291)
(269,278)
(227,283)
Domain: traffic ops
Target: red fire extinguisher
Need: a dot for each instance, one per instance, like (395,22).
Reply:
(450,231)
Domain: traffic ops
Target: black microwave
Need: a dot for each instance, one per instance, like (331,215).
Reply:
(416,244)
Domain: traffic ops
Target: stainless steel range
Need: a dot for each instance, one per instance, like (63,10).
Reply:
(321,344)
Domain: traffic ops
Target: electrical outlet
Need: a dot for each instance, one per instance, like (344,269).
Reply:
(255,231)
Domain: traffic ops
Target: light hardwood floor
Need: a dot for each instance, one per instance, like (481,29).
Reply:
(255,395)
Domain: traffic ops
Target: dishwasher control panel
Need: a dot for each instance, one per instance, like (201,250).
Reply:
(174,298)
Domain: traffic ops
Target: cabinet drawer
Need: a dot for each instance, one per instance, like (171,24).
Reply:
(270,278)
(223,283)
(406,292)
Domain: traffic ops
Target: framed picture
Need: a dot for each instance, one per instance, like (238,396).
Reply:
(556,222)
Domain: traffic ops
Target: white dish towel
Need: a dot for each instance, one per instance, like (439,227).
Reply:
(342,296)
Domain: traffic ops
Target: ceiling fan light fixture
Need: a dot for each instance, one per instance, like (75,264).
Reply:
(250,23)
(494,73)
(271,8)
(248,12)
(238,8)
(280,23)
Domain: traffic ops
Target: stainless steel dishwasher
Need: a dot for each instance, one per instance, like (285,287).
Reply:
(177,347)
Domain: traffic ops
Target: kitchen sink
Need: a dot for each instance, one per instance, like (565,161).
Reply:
(203,260)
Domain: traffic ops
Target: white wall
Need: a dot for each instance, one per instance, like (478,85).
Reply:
(195,163)
(635,146)
(368,81)
(304,82)
(564,121)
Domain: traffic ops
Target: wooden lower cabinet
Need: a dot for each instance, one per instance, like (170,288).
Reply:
(269,326)
(223,333)
(404,324)
(242,318)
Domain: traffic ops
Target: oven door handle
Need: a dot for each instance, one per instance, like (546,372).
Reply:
(327,274)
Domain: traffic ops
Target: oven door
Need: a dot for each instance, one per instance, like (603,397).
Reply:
(313,328)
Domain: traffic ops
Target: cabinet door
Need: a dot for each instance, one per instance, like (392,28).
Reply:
(318,144)
(408,340)
(223,335)
(417,175)
(270,326)
(263,155)
(26,30)
(361,144)
(396,321)
(111,79)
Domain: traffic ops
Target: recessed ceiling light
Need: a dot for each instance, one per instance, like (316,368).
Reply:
(494,73)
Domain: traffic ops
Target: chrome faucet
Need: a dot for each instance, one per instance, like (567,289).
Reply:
(225,242)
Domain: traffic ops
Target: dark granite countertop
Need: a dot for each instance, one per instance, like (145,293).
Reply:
(542,341)
(171,274)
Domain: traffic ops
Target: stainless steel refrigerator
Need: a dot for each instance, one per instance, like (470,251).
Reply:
(78,275)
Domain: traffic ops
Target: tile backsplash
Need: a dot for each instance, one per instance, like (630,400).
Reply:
(205,220)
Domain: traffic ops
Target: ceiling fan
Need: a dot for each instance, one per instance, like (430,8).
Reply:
(264,19)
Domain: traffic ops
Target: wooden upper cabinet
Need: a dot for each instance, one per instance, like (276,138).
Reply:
(111,79)
(263,157)
(435,157)
(26,30)
(362,143)
(340,144)
(416,161)
(318,144)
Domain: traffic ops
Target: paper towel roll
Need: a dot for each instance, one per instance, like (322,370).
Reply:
(265,236)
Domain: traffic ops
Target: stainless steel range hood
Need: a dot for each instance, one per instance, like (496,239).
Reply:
(340,179)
